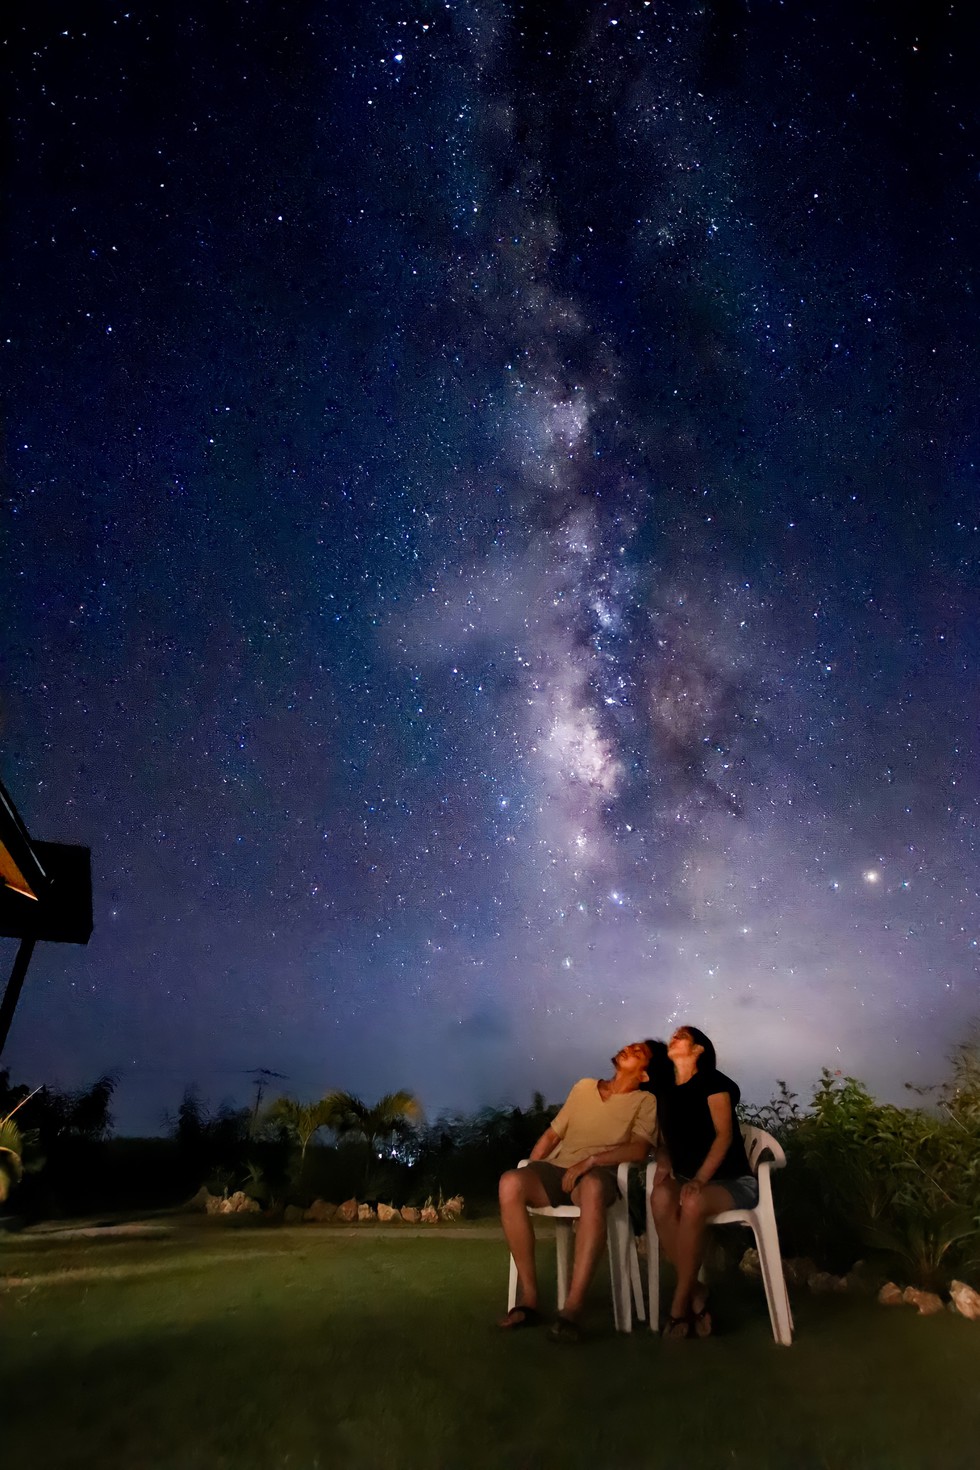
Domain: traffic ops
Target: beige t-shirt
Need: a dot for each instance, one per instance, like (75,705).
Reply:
(587,1125)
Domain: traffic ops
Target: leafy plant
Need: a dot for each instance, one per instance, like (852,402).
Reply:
(14,1142)
(870,1175)
(779,1116)
(11,1157)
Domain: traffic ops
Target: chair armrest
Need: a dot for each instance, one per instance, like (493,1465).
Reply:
(763,1170)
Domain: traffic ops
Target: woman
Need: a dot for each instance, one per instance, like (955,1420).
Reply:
(701,1170)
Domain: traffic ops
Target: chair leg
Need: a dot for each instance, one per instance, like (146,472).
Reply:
(512,1285)
(624,1268)
(563,1239)
(617,1230)
(653,1271)
(774,1281)
(636,1281)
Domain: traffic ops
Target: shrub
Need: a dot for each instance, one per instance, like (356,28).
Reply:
(864,1176)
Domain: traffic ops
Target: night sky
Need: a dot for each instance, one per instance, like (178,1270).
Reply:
(490,539)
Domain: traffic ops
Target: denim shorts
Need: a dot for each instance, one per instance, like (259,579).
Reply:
(744,1190)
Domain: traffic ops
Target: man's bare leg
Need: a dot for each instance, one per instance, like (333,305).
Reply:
(590,1238)
(518,1189)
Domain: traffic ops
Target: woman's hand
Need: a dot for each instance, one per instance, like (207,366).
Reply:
(692,1189)
(664,1170)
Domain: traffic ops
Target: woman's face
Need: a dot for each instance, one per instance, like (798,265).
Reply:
(680,1047)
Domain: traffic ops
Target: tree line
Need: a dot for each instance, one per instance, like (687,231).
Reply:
(865,1178)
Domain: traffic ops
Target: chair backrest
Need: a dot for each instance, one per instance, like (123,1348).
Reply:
(758,1143)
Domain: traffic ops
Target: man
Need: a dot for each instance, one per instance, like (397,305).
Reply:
(602,1124)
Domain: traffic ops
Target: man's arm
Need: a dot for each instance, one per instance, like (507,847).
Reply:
(633,1152)
(545,1145)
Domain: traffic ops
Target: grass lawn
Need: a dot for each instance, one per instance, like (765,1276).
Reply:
(256,1348)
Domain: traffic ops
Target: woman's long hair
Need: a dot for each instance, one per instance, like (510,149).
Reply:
(660,1069)
(707,1061)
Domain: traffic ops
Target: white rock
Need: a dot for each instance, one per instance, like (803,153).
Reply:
(965,1300)
(822,1282)
(320,1212)
(927,1302)
(798,1270)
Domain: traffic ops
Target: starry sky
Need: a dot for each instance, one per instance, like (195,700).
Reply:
(490,538)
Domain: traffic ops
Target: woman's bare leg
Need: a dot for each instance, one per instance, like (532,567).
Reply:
(694,1213)
(665,1207)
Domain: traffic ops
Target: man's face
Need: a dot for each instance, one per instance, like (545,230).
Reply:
(633,1058)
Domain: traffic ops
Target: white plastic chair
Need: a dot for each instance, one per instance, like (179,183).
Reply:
(624,1265)
(764,1154)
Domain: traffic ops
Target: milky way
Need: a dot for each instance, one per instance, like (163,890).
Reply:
(491,541)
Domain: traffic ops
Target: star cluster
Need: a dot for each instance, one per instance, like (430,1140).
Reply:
(491,539)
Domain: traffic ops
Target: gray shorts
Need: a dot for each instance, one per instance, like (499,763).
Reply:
(551,1176)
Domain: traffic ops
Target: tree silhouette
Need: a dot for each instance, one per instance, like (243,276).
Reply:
(394,1116)
(303,1120)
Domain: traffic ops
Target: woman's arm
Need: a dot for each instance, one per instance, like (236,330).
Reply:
(720,1106)
(664,1167)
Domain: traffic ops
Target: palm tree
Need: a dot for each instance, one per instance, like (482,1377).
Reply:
(12,1149)
(303,1119)
(11,1153)
(393,1116)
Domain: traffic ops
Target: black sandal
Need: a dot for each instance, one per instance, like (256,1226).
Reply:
(564,1329)
(518,1317)
(671,1328)
(701,1323)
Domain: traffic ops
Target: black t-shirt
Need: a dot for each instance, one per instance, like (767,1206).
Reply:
(688,1128)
